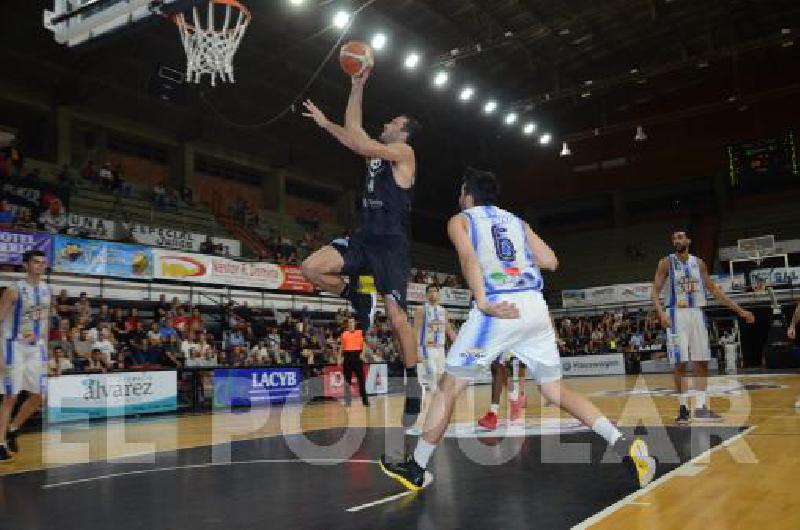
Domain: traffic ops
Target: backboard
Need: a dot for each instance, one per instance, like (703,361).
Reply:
(74,22)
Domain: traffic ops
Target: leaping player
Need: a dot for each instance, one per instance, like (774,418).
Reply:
(24,313)
(433,328)
(380,246)
(501,259)
(686,284)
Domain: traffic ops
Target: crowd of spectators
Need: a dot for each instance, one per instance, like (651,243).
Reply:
(95,337)
(614,332)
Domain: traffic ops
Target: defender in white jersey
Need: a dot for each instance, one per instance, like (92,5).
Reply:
(501,259)
(433,329)
(24,316)
(684,281)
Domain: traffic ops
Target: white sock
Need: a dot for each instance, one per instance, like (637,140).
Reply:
(607,430)
(684,400)
(423,452)
(494,407)
(701,400)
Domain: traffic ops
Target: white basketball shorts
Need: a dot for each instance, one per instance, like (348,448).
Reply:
(687,337)
(25,367)
(482,339)
(431,367)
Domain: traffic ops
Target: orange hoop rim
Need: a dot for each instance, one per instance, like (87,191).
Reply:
(233,3)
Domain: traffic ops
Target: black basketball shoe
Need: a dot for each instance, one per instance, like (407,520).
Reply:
(408,473)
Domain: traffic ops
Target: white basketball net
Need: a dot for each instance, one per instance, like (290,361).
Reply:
(210,49)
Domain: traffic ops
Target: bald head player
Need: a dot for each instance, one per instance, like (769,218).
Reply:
(380,246)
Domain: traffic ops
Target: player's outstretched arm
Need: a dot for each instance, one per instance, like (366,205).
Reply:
(542,253)
(353,114)
(359,142)
(714,289)
(470,268)
(658,283)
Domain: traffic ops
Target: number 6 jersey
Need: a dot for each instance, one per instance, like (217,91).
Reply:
(501,245)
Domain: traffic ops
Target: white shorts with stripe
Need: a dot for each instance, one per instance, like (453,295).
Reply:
(25,367)
(483,339)
(431,364)
(687,338)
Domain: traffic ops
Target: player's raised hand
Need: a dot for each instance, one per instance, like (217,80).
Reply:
(747,316)
(313,112)
(499,310)
(361,79)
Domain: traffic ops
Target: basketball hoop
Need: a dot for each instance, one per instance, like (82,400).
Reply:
(210,49)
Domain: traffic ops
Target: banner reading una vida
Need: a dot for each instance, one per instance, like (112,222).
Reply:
(634,292)
(14,243)
(105,258)
(180,239)
(87,396)
(173,265)
(254,386)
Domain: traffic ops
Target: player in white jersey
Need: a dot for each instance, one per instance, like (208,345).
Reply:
(501,259)
(685,283)
(24,316)
(433,329)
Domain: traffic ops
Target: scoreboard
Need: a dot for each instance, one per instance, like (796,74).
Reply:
(763,160)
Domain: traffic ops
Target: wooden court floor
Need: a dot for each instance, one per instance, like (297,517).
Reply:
(750,482)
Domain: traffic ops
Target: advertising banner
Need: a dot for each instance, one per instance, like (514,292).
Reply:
(449,295)
(730,284)
(175,265)
(776,276)
(612,364)
(87,226)
(377,380)
(229,272)
(180,239)
(88,256)
(293,280)
(254,386)
(88,396)
(14,243)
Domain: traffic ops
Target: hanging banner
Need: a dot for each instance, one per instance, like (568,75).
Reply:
(33,197)
(293,280)
(180,239)
(776,276)
(172,265)
(102,258)
(448,295)
(86,226)
(14,243)
(229,272)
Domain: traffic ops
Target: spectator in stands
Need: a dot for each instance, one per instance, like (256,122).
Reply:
(195,359)
(102,317)
(181,322)
(132,322)
(15,158)
(89,172)
(97,362)
(7,216)
(106,345)
(207,246)
(234,339)
(58,363)
(61,331)
(26,221)
(65,180)
(172,353)
(187,197)
(106,177)
(119,184)
(160,194)
(54,218)
(188,344)
(166,331)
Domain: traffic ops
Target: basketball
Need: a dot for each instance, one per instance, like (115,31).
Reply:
(356,57)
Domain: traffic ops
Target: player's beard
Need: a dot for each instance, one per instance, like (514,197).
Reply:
(680,249)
